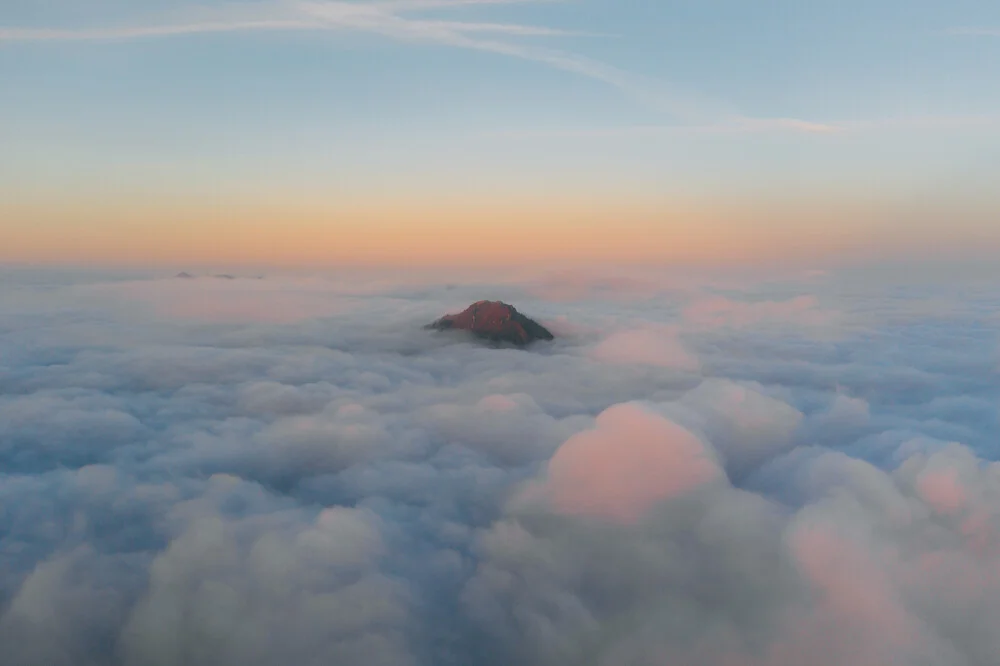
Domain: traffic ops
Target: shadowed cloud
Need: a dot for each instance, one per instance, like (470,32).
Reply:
(339,485)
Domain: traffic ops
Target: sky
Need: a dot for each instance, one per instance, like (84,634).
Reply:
(711,468)
(496,131)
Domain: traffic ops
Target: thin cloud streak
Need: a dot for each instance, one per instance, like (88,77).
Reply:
(135,32)
(386,19)
(975,32)
(760,126)
(373,19)
(349,15)
(418,5)
(506,28)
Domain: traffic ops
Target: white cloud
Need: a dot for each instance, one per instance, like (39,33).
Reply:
(342,486)
(649,346)
(135,32)
(632,460)
(975,32)
(719,311)
(739,125)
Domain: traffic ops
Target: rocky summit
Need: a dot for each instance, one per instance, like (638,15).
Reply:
(495,322)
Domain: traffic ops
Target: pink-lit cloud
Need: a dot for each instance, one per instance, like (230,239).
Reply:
(942,490)
(858,618)
(233,301)
(658,346)
(629,462)
(719,311)
(497,403)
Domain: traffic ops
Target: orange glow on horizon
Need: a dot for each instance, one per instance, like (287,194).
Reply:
(420,233)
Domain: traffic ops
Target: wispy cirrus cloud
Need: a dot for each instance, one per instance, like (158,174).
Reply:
(388,20)
(296,16)
(975,32)
(137,32)
(393,19)
(416,5)
(744,125)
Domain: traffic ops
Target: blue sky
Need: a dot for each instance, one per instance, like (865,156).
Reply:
(858,100)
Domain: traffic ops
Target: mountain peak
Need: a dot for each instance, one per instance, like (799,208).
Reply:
(495,321)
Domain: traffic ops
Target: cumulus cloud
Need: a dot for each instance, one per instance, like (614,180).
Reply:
(292,470)
(660,347)
(745,425)
(722,577)
(269,589)
(630,461)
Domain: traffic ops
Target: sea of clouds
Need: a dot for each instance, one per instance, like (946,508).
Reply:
(700,471)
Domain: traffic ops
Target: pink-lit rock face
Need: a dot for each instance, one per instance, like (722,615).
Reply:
(496,322)
(630,461)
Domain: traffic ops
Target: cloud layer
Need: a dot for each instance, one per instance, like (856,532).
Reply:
(291,470)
